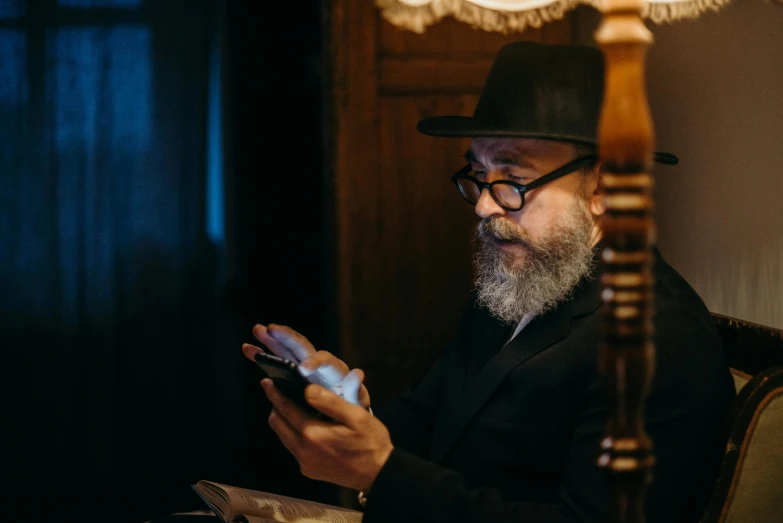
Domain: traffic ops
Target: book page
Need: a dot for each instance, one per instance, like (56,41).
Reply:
(290,510)
(253,519)
(216,498)
(279,508)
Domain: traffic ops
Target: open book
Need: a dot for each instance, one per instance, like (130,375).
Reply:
(233,504)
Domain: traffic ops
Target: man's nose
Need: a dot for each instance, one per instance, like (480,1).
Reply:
(486,205)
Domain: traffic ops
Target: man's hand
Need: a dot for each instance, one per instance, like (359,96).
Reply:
(350,451)
(320,367)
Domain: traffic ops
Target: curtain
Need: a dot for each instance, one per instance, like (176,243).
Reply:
(131,269)
(108,276)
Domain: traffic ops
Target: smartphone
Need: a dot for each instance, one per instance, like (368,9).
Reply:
(286,377)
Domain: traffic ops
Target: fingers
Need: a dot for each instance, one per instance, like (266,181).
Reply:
(284,341)
(261,333)
(335,407)
(323,368)
(305,424)
(295,342)
(364,397)
(286,408)
(351,384)
(250,351)
(327,370)
(289,437)
(354,390)
(323,358)
(278,418)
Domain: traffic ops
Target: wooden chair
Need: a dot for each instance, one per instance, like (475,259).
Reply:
(749,488)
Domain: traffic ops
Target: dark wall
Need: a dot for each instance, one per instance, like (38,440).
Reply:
(279,254)
(274,143)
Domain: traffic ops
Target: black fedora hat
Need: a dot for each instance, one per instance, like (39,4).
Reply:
(550,92)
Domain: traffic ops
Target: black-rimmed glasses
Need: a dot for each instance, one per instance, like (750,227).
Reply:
(507,194)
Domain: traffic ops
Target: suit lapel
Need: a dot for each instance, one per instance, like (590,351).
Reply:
(478,331)
(465,399)
(465,403)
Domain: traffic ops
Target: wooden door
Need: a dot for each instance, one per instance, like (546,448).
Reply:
(403,234)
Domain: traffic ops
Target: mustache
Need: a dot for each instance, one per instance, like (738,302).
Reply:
(500,229)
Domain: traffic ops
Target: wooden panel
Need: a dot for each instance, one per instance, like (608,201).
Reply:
(450,57)
(418,261)
(400,76)
(354,130)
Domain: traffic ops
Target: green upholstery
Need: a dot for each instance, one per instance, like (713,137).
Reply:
(749,488)
(758,497)
(750,485)
(740,379)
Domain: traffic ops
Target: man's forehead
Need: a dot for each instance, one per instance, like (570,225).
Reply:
(514,150)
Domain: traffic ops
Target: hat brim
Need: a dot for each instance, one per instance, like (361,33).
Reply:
(465,127)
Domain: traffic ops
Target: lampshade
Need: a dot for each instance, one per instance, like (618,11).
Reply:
(513,16)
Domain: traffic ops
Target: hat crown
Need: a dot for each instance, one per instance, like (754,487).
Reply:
(547,90)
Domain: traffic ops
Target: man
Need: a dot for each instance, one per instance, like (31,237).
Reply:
(506,426)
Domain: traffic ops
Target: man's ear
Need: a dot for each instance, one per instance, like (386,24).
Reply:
(597,204)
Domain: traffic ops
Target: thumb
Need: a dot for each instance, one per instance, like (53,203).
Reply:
(335,406)
(353,389)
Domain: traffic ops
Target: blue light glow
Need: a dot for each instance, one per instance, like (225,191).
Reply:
(107,72)
(13,60)
(11,8)
(100,3)
(101,89)
(215,218)
(13,102)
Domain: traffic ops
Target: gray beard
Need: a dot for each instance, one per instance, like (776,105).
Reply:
(510,286)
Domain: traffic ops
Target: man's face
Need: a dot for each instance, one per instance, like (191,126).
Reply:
(532,258)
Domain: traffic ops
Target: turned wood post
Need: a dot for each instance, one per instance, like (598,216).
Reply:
(625,138)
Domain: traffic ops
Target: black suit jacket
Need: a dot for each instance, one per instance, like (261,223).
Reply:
(517,439)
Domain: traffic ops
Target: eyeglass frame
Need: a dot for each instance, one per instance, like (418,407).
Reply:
(568,168)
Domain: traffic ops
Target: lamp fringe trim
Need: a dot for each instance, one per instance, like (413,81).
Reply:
(661,12)
(417,18)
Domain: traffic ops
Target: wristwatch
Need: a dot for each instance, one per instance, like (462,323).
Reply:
(362,498)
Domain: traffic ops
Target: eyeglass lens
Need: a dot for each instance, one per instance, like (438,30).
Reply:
(504,194)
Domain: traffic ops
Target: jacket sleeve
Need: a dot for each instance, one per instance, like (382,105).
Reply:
(410,417)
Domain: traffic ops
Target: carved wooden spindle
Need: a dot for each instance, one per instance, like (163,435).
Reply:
(625,137)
